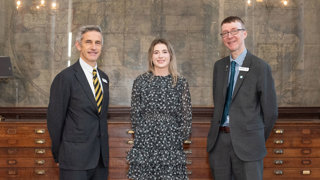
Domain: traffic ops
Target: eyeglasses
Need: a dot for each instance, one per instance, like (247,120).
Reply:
(232,32)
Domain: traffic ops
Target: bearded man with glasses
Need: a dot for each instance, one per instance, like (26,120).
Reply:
(245,109)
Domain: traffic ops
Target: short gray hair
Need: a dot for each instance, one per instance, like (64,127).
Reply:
(87,28)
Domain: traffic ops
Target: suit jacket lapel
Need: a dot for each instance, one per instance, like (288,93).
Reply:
(242,74)
(226,66)
(105,86)
(84,83)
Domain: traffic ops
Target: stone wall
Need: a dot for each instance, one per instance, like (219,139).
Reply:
(286,37)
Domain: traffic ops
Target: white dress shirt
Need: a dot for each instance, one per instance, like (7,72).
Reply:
(88,72)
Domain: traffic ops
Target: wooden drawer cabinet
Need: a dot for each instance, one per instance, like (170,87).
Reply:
(197,156)
(25,151)
(120,142)
(293,148)
(293,151)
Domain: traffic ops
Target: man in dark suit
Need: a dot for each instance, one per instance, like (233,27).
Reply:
(245,109)
(77,113)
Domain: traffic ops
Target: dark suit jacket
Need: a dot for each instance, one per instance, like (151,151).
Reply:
(253,109)
(78,133)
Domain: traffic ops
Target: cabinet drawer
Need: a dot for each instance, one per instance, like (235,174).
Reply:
(7,152)
(115,142)
(119,152)
(31,173)
(200,130)
(196,142)
(196,152)
(296,130)
(291,162)
(293,152)
(27,162)
(25,142)
(23,130)
(291,173)
(198,173)
(120,163)
(291,141)
(198,163)
(118,173)
(120,130)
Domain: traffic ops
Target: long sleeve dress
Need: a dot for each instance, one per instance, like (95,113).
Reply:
(161,118)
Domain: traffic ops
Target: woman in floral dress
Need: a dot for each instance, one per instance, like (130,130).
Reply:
(161,118)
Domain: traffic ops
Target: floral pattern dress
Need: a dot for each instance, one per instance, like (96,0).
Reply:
(161,118)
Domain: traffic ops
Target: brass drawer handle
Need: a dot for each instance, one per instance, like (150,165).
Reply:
(40,161)
(130,142)
(306,172)
(130,131)
(306,162)
(12,141)
(189,172)
(278,141)
(12,151)
(189,151)
(306,131)
(40,171)
(187,142)
(189,162)
(40,141)
(12,172)
(278,162)
(278,151)
(278,131)
(12,131)
(278,172)
(306,151)
(40,151)
(39,131)
(306,141)
(12,162)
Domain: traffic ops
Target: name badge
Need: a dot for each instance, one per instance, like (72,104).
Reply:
(104,80)
(243,69)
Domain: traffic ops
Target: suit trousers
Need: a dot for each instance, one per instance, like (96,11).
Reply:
(225,164)
(98,173)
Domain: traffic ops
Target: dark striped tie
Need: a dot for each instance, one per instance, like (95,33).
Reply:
(97,90)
